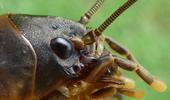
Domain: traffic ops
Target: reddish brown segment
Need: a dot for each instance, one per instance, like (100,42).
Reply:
(116,46)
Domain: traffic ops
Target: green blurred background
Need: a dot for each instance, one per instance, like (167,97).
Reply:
(144,29)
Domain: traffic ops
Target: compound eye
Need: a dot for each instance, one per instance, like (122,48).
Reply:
(62,47)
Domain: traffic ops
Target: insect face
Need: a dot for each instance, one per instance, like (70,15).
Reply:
(103,77)
(51,58)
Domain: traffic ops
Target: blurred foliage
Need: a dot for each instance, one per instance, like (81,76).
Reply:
(144,29)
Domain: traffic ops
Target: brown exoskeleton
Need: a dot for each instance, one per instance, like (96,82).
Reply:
(52,58)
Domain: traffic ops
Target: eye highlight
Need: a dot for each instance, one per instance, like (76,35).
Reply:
(62,47)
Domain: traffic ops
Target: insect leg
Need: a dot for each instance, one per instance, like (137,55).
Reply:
(120,49)
(134,65)
(101,90)
(86,17)
(111,83)
(92,90)
(104,93)
(115,76)
(120,82)
(104,64)
(156,84)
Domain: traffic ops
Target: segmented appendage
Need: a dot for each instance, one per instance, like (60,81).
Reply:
(118,12)
(85,18)
(94,8)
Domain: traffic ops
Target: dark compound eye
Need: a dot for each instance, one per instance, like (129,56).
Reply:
(62,47)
